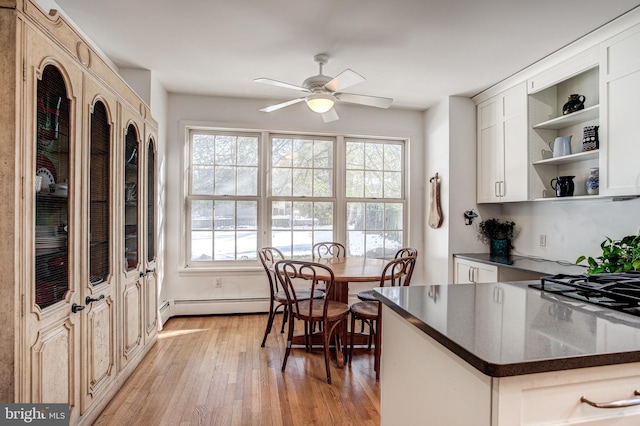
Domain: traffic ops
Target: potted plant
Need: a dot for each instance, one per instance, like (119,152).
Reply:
(621,255)
(498,235)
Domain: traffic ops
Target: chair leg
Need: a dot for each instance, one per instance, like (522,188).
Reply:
(353,324)
(378,348)
(327,339)
(272,314)
(285,317)
(288,349)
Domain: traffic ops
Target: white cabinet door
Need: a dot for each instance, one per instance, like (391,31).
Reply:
(502,147)
(490,152)
(514,129)
(620,103)
(466,272)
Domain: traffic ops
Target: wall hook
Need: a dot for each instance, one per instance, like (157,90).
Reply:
(469,215)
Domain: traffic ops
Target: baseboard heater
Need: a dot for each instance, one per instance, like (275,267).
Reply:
(219,306)
(164,311)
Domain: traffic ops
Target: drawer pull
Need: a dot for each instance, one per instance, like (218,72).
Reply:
(614,404)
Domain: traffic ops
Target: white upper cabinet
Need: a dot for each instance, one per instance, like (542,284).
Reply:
(502,147)
(620,109)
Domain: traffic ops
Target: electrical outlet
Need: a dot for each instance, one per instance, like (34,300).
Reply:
(543,240)
(218,282)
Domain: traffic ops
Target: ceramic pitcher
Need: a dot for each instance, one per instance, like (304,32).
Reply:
(561,146)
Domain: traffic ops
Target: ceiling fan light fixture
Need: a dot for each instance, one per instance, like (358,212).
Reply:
(320,102)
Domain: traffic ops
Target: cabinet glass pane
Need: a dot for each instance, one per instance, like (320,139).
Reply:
(99,206)
(52,189)
(131,198)
(151,210)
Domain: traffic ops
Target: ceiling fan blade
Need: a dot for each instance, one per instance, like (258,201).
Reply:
(343,80)
(373,101)
(281,105)
(279,84)
(330,116)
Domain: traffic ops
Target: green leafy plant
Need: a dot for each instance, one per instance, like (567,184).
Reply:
(621,255)
(495,229)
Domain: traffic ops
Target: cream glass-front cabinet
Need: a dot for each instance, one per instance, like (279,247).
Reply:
(78,308)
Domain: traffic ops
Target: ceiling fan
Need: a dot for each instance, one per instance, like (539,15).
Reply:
(322,92)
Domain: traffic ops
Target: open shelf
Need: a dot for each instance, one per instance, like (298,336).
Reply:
(577,117)
(571,158)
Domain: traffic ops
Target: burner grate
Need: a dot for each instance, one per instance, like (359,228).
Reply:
(616,291)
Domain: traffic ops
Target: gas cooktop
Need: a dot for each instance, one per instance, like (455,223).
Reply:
(620,291)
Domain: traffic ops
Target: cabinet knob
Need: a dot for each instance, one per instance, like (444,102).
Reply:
(75,308)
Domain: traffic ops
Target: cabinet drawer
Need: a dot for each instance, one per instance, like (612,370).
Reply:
(555,398)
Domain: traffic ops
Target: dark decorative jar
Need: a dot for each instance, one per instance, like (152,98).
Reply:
(500,248)
(574,103)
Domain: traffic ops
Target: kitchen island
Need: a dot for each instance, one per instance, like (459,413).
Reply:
(504,354)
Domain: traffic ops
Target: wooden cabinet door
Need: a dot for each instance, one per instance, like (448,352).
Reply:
(98,340)
(150,226)
(50,276)
(131,291)
(620,103)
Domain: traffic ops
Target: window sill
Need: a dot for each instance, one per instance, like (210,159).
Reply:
(228,269)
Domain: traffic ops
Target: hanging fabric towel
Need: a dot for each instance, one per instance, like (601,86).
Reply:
(435,212)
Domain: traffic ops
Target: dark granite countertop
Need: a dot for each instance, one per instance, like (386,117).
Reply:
(509,329)
(526,263)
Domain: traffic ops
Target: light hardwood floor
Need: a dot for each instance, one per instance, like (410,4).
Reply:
(212,371)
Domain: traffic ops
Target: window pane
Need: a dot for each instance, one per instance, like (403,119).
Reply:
(248,151)
(374,215)
(355,184)
(355,155)
(355,243)
(373,185)
(224,215)
(202,180)
(247,181)
(225,151)
(282,241)
(201,214)
(247,245)
(392,185)
(201,245)
(281,182)
(302,182)
(393,216)
(225,181)
(247,213)
(323,183)
(224,245)
(281,153)
(323,154)
(355,215)
(203,149)
(302,243)
(302,153)
(393,157)
(373,156)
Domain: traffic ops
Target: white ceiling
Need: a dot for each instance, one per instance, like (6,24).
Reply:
(414,51)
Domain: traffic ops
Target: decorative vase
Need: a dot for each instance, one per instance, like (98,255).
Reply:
(500,248)
(593,181)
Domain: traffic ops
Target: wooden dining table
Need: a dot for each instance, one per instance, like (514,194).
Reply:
(349,269)
(346,270)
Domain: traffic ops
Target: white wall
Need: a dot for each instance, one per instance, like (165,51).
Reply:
(194,292)
(572,227)
(450,151)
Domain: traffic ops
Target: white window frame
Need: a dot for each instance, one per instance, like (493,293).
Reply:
(265,198)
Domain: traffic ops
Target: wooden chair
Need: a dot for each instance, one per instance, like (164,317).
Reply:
(367,295)
(328,249)
(269,256)
(330,313)
(400,271)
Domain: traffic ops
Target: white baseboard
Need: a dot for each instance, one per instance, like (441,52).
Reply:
(219,306)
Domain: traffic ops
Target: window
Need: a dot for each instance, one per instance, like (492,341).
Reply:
(301,168)
(248,190)
(223,197)
(374,193)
